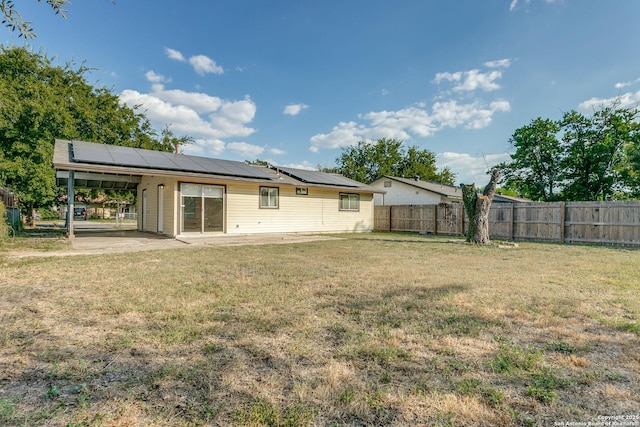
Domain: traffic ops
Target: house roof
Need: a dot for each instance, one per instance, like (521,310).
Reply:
(434,187)
(110,166)
(501,198)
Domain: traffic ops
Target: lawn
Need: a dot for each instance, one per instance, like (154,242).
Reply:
(376,329)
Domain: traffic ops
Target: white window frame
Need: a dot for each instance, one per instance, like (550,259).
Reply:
(353,202)
(270,193)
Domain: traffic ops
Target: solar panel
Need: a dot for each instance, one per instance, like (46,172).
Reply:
(315,177)
(91,153)
(113,155)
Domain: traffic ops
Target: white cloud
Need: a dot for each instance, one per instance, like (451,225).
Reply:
(204,65)
(626,84)
(294,109)
(470,169)
(154,77)
(397,124)
(471,80)
(471,116)
(205,147)
(500,63)
(207,118)
(248,151)
(514,3)
(174,54)
(277,152)
(404,123)
(626,100)
(304,165)
(474,79)
(452,77)
(342,135)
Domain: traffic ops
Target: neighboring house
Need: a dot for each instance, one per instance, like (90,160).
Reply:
(186,195)
(413,191)
(501,198)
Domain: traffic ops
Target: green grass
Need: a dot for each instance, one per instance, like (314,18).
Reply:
(376,329)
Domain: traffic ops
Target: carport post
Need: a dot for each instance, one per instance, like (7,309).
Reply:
(70,207)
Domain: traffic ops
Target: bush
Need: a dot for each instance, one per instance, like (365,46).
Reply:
(4,226)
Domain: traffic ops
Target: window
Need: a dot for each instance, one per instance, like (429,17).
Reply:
(349,202)
(269,197)
(302,191)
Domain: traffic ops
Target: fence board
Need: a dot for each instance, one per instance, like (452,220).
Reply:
(585,222)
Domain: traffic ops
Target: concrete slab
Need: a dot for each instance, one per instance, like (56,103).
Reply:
(119,241)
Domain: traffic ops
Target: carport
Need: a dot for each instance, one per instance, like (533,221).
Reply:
(72,180)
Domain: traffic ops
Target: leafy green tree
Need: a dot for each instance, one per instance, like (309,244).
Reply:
(535,168)
(596,163)
(577,157)
(365,162)
(40,102)
(13,20)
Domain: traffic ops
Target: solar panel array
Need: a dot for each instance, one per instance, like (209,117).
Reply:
(315,177)
(113,155)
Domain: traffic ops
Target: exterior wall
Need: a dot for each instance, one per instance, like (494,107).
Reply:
(171,193)
(403,194)
(316,212)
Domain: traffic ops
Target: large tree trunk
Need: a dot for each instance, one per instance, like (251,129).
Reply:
(477,207)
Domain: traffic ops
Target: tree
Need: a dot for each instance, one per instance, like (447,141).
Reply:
(578,157)
(168,139)
(595,163)
(12,19)
(366,162)
(535,169)
(40,102)
(477,207)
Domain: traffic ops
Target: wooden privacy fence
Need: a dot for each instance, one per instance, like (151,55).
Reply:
(586,222)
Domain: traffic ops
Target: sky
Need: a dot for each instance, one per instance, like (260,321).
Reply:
(293,82)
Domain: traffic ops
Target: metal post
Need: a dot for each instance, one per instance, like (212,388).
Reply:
(70,205)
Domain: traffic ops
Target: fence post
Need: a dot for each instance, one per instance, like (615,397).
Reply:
(563,214)
(511,220)
(435,220)
(390,210)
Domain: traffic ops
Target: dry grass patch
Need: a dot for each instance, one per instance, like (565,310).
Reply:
(371,330)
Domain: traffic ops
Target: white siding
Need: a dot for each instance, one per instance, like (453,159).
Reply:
(402,194)
(169,219)
(316,212)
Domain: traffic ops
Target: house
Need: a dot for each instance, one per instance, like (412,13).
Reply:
(393,190)
(188,195)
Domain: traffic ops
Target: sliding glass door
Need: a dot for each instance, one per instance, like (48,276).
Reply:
(202,208)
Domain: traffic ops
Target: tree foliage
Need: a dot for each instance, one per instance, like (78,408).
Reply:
(366,162)
(40,102)
(535,166)
(577,157)
(13,20)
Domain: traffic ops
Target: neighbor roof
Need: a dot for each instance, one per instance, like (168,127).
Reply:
(435,187)
(109,162)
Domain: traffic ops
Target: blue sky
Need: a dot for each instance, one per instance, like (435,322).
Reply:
(293,81)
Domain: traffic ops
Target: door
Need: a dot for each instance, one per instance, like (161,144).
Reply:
(202,208)
(160,208)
